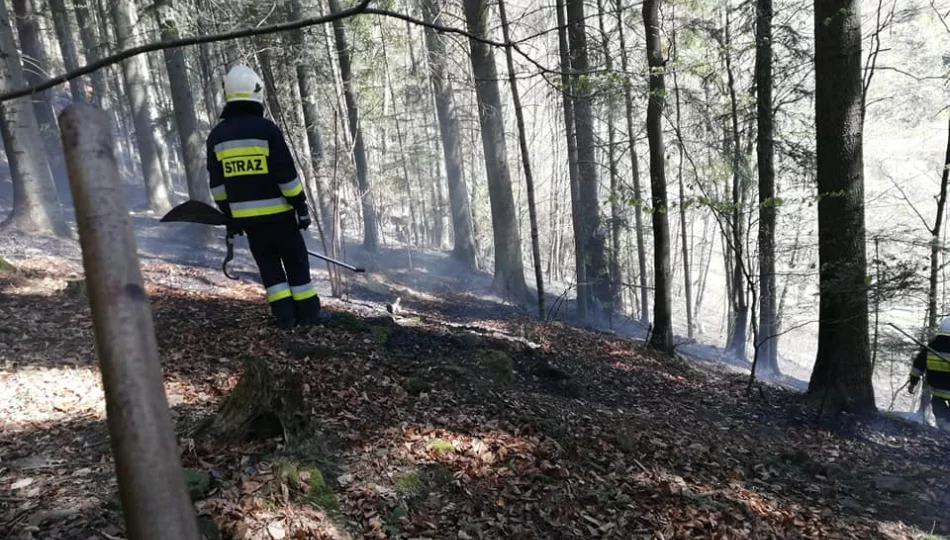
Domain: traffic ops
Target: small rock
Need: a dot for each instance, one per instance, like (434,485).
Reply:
(276,530)
(22,483)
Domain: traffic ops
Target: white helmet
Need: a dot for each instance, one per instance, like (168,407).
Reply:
(242,84)
(945,326)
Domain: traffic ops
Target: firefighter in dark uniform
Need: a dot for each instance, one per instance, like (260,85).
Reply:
(255,184)
(935,369)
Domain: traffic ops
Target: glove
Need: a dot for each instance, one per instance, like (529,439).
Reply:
(912,387)
(234,229)
(303,220)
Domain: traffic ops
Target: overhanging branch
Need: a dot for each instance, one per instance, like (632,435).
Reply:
(360,9)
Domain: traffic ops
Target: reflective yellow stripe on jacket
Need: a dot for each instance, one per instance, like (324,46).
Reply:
(265,207)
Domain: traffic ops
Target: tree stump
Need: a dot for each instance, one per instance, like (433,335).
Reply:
(262,405)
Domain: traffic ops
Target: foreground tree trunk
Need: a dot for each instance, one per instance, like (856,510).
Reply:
(370,234)
(35,207)
(842,372)
(135,74)
(588,178)
(67,45)
(635,171)
(186,117)
(767,347)
(584,300)
(662,335)
(509,268)
(463,248)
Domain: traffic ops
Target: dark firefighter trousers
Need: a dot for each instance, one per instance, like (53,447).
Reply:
(281,255)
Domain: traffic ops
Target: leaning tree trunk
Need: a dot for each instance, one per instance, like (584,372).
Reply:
(662,336)
(842,372)
(584,300)
(635,172)
(370,232)
(509,268)
(35,207)
(36,70)
(767,349)
(309,89)
(186,117)
(67,45)
(526,162)
(135,74)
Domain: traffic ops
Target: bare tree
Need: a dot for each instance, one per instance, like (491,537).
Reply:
(67,45)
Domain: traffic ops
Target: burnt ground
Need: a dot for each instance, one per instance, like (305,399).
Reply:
(463,418)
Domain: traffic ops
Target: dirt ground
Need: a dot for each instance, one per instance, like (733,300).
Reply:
(432,424)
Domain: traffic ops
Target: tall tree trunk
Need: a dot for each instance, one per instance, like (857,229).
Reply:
(67,45)
(687,268)
(580,250)
(186,118)
(370,232)
(90,44)
(935,246)
(36,70)
(526,162)
(736,344)
(509,268)
(594,238)
(309,89)
(767,362)
(35,207)
(635,172)
(843,364)
(662,336)
(135,74)
(616,275)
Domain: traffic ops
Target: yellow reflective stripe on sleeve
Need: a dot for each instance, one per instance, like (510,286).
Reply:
(278,292)
(935,363)
(265,207)
(939,392)
(292,188)
(219,193)
(303,292)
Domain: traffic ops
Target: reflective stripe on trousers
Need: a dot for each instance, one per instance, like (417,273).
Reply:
(276,293)
(303,292)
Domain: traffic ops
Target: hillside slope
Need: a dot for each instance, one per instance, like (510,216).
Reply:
(422,426)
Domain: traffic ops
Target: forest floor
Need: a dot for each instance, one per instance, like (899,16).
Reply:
(461,418)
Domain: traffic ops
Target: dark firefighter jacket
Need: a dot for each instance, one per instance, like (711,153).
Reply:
(935,368)
(251,171)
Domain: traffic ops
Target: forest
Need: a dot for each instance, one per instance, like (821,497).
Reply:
(634,269)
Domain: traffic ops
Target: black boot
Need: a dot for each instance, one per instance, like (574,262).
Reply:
(307,311)
(283,311)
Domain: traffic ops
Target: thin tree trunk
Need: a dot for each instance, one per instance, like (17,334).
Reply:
(186,119)
(135,73)
(616,274)
(768,341)
(662,335)
(509,268)
(35,206)
(635,172)
(843,364)
(370,232)
(90,44)
(935,246)
(67,45)
(525,160)
(583,288)
(687,271)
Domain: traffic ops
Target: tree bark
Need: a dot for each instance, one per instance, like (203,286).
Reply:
(935,246)
(842,369)
(35,67)
(662,335)
(635,172)
(580,250)
(526,162)
(687,268)
(186,118)
(594,236)
(767,361)
(67,45)
(616,275)
(370,233)
(35,207)
(135,74)
(509,268)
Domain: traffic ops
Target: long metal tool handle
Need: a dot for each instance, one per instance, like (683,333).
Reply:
(152,487)
(920,343)
(356,269)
